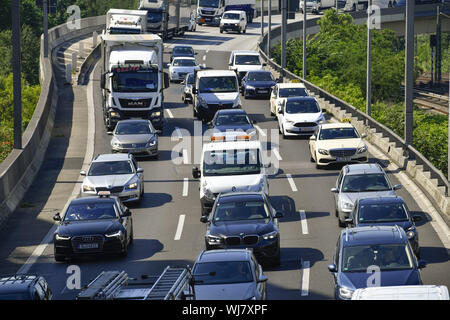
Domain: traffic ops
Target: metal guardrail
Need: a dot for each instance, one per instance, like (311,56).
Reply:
(409,151)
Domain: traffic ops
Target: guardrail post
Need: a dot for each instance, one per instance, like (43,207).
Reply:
(81,49)
(74,60)
(68,73)
(94,39)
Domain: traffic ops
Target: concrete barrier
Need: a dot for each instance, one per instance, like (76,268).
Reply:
(18,170)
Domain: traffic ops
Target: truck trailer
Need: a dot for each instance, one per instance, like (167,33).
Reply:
(132,79)
(210,11)
(167,18)
(120,21)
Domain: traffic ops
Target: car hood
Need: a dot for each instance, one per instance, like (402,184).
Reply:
(356,280)
(134,138)
(235,291)
(303,117)
(261,84)
(230,21)
(184,69)
(339,143)
(183,55)
(108,181)
(218,184)
(247,227)
(353,196)
(220,97)
(88,227)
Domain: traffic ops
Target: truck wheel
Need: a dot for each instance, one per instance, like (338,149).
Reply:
(244,30)
(221,30)
(239,31)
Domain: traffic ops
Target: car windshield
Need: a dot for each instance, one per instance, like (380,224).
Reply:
(133,128)
(209,3)
(108,168)
(135,81)
(222,272)
(388,257)
(183,50)
(231,16)
(241,210)
(232,120)
(306,106)
(365,183)
(231,162)
(247,59)
(260,76)
(338,133)
(190,78)
(90,211)
(292,92)
(382,212)
(184,63)
(217,84)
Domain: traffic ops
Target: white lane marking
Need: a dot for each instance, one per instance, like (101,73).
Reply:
(276,153)
(204,57)
(291,182)
(180,227)
(204,65)
(178,133)
(185,187)
(303,221)
(185,157)
(261,132)
(169,113)
(304,286)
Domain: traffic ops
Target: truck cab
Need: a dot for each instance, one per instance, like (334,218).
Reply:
(120,21)
(211,11)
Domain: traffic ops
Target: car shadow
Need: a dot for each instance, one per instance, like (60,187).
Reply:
(285,205)
(291,259)
(152,200)
(434,254)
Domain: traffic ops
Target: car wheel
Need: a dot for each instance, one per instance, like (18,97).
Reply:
(240,30)
(341,224)
(221,30)
(124,253)
(59,258)
(131,236)
(282,132)
(245,30)
(336,213)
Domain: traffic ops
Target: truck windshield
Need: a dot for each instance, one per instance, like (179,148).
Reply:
(124,30)
(153,16)
(249,60)
(231,162)
(217,84)
(209,3)
(135,81)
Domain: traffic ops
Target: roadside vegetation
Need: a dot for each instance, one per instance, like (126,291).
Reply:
(336,62)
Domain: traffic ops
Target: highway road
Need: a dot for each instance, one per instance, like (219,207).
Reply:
(167,227)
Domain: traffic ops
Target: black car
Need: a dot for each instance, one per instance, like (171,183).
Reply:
(182,51)
(231,123)
(257,84)
(387,211)
(24,287)
(93,225)
(244,220)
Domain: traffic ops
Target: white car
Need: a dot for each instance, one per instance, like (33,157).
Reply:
(233,21)
(299,116)
(337,143)
(180,67)
(231,166)
(242,61)
(282,91)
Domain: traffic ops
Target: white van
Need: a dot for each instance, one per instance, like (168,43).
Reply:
(231,166)
(233,21)
(423,292)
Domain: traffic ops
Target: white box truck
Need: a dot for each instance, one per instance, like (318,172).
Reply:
(210,11)
(315,6)
(132,79)
(353,5)
(120,21)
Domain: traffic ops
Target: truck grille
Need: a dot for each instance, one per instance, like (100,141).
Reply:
(112,190)
(96,240)
(339,153)
(135,103)
(211,13)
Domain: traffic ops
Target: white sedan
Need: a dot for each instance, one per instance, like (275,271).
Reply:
(337,143)
(281,91)
(180,67)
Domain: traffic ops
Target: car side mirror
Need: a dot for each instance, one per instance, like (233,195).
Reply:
(279,215)
(263,278)
(194,90)
(334,190)
(364,135)
(196,173)
(254,122)
(127,213)
(140,170)
(183,82)
(82,173)
(280,111)
(313,137)
(416,218)
(57,217)
(279,80)
(264,64)
(204,219)
(422,264)
(332,268)
(397,187)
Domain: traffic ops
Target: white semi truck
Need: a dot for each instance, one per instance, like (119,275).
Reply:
(210,11)
(132,79)
(120,21)
(353,5)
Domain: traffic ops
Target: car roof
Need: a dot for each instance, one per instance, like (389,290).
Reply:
(246,52)
(183,58)
(230,145)
(234,11)
(362,168)
(336,125)
(373,235)
(16,283)
(111,157)
(382,200)
(228,111)
(133,121)
(86,200)
(240,196)
(215,73)
(291,85)
(301,98)
(224,255)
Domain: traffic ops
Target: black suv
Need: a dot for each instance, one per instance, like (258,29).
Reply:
(24,287)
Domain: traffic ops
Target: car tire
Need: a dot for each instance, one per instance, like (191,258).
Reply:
(221,30)
(341,224)
(245,30)
(282,132)
(239,31)
(131,236)
(60,258)
(124,253)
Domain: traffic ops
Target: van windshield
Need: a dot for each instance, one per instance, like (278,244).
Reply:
(231,162)
(217,84)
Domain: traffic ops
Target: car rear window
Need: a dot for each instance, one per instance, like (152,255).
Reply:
(222,272)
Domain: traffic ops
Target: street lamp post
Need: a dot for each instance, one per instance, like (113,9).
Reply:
(17,86)
(283,37)
(409,72)
(304,39)
(369,62)
(45,7)
(270,28)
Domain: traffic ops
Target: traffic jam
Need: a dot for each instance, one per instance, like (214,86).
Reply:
(378,237)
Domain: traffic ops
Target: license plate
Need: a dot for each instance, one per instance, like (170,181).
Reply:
(263,91)
(343,159)
(88,246)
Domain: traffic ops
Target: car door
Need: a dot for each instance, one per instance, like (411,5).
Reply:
(281,116)
(338,188)
(312,143)
(260,293)
(336,256)
(139,174)
(126,221)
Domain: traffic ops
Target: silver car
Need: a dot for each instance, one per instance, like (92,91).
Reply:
(358,181)
(186,90)
(119,174)
(135,136)
(228,274)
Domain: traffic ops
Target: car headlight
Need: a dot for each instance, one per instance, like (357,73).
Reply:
(156,114)
(362,149)
(115,234)
(323,151)
(114,114)
(213,239)
(87,188)
(60,237)
(115,144)
(410,233)
(271,235)
(237,103)
(345,293)
(290,122)
(133,185)
(151,143)
(249,87)
(346,205)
